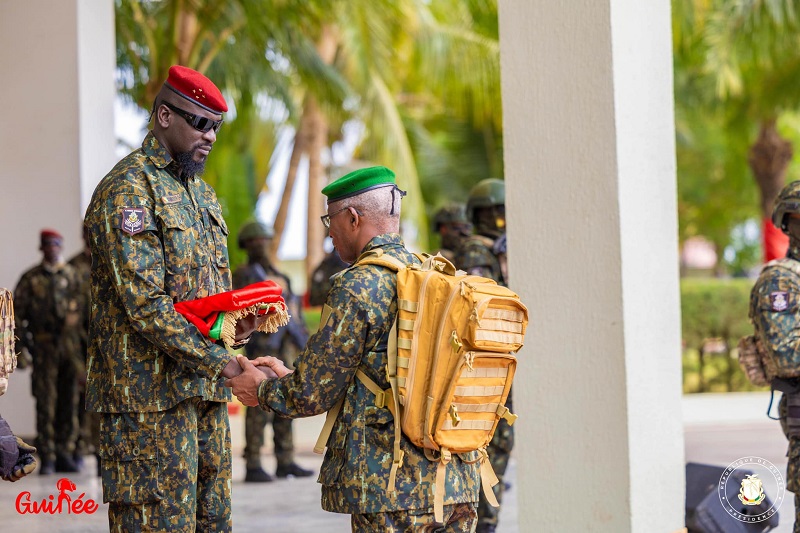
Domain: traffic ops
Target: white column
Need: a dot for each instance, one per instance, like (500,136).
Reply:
(57,94)
(57,141)
(591,200)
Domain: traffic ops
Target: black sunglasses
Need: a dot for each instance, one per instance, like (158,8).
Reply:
(196,121)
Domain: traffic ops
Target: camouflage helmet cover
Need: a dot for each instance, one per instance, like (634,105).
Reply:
(450,214)
(253,230)
(788,201)
(486,193)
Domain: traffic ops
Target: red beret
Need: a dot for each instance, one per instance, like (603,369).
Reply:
(195,87)
(50,234)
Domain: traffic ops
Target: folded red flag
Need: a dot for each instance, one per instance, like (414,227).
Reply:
(216,316)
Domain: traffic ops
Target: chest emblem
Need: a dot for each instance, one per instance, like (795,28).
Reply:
(132,220)
(779,301)
(172,199)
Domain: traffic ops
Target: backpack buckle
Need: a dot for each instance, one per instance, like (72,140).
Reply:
(380,399)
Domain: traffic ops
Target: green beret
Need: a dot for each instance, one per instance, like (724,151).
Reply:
(359,181)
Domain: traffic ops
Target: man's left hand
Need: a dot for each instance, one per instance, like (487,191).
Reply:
(245,326)
(245,385)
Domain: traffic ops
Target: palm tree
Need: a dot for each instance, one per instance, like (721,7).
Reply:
(749,51)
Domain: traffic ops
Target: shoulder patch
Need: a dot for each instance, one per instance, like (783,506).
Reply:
(779,300)
(132,220)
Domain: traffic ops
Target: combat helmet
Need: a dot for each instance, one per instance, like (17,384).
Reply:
(788,201)
(253,230)
(449,214)
(487,193)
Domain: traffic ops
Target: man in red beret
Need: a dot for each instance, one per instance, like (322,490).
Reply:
(47,316)
(158,237)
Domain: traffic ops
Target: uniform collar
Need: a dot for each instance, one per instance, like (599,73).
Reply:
(157,153)
(385,240)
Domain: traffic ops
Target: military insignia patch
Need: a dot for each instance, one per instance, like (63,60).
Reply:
(132,220)
(779,301)
(172,199)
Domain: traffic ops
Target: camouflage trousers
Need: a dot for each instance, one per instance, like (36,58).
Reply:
(499,452)
(168,470)
(54,385)
(255,421)
(458,518)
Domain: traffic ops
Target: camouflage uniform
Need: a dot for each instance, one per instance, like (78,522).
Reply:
(476,256)
(88,423)
(353,333)
(775,312)
(285,344)
(321,278)
(46,312)
(165,435)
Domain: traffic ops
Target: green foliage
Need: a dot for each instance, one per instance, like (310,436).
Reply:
(735,66)
(714,313)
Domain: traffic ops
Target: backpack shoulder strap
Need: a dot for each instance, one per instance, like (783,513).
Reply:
(379,258)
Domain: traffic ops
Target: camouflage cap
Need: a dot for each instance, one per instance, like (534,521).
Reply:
(253,230)
(486,193)
(788,201)
(450,214)
(358,182)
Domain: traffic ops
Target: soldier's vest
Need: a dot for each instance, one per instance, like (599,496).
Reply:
(450,363)
(759,363)
(8,358)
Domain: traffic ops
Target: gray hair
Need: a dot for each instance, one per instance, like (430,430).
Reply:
(381,206)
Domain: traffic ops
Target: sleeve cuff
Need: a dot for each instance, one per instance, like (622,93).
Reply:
(216,361)
(262,392)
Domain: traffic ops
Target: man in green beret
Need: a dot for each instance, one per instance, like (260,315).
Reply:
(363,216)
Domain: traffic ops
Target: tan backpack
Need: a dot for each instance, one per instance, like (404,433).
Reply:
(450,364)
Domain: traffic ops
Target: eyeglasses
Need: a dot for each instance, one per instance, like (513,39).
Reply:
(196,121)
(326,219)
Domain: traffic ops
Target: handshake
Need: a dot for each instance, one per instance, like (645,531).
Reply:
(251,374)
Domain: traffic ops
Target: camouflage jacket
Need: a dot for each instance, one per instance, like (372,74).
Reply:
(353,333)
(294,336)
(155,240)
(45,299)
(475,256)
(775,312)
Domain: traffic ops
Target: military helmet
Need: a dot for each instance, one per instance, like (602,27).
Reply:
(449,214)
(253,230)
(788,201)
(486,193)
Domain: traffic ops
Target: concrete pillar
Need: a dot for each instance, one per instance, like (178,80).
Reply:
(591,201)
(58,62)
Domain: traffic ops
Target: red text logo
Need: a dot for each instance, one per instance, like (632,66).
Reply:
(56,504)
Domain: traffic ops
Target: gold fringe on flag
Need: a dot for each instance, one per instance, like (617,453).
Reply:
(277,316)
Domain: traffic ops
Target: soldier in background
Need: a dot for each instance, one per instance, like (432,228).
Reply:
(486,210)
(88,422)
(321,278)
(46,307)
(255,238)
(450,223)
(774,312)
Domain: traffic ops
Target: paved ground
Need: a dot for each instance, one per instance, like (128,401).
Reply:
(718,430)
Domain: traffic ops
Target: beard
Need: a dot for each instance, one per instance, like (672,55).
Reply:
(190,167)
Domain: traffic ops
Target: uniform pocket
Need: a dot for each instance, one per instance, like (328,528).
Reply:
(220,235)
(129,462)
(179,238)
